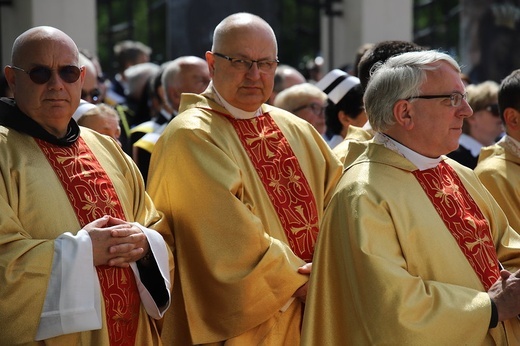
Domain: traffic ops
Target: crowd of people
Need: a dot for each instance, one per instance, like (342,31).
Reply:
(228,200)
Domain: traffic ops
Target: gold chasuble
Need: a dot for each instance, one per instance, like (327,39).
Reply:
(463,218)
(405,257)
(283,179)
(243,199)
(92,195)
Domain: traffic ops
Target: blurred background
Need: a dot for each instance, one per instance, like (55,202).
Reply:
(314,36)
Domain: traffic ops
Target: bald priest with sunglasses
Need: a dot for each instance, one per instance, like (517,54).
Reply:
(79,261)
(243,186)
(413,250)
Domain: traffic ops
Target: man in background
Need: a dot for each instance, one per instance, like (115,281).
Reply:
(499,165)
(186,74)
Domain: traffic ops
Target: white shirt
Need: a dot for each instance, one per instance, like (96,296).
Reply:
(420,161)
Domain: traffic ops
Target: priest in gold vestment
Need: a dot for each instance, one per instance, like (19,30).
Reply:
(243,186)
(499,165)
(413,250)
(80,263)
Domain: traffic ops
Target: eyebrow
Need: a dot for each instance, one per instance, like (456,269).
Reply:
(241,56)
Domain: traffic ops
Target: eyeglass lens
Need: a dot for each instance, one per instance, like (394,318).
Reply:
(42,74)
(316,108)
(456,99)
(493,108)
(94,94)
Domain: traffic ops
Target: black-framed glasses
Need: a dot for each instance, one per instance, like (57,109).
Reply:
(93,94)
(42,74)
(493,109)
(316,108)
(244,65)
(455,98)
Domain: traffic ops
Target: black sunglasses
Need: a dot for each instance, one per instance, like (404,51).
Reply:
(493,108)
(42,74)
(94,94)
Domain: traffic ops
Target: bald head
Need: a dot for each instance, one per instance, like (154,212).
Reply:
(174,67)
(231,26)
(50,94)
(39,34)
(239,41)
(186,74)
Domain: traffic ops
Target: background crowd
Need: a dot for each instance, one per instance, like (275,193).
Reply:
(249,205)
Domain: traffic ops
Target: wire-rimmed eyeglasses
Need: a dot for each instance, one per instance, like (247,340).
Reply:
(246,64)
(93,94)
(316,108)
(455,98)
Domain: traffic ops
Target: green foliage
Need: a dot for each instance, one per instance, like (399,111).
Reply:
(436,24)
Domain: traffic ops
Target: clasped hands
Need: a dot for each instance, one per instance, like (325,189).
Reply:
(116,242)
(505,292)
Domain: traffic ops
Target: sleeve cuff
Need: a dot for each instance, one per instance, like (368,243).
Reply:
(494,315)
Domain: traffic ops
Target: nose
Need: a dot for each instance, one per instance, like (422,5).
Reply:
(465,109)
(254,71)
(55,81)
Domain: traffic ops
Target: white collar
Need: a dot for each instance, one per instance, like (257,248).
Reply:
(237,113)
(511,144)
(420,161)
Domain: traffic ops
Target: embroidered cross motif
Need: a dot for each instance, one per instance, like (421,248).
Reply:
(284,181)
(92,195)
(463,218)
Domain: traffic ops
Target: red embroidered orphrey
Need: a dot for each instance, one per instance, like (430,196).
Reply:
(283,179)
(92,196)
(463,218)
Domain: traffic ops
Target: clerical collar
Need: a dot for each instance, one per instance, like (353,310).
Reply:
(235,112)
(511,144)
(12,117)
(420,161)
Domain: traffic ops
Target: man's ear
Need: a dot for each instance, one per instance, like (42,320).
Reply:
(210,58)
(10,77)
(403,114)
(82,74)
(512,118)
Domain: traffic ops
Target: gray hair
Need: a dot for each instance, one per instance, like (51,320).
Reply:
(138,76)
(172,69)
(298,95)
(400,77)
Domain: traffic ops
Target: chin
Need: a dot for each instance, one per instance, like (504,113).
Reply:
(249,106)
(452,148)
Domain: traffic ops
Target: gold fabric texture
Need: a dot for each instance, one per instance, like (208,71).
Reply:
(234,268)
(499,170)
(386,270)
(36,210)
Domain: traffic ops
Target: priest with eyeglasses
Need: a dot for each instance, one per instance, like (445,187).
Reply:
(413,250)
(243,186)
